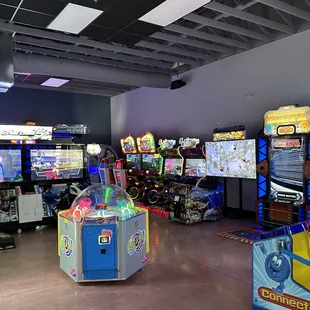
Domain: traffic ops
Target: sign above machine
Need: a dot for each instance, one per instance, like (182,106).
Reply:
(228,136)
(24,132)
(287,120)
(146,143)
(74,129)
(188,143)
(166,144)
(128,145)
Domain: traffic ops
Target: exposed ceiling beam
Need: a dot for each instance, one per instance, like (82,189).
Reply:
(287,8)
(227,27)
(207,36)
(173,50)
(83,57)
(218,7)
(199,44)
(9,27)
(89,51)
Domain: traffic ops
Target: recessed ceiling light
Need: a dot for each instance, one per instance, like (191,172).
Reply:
(52,82)
(172,10)
(3,90)
(74,18)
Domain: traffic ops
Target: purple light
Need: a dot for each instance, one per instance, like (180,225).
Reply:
(52,82)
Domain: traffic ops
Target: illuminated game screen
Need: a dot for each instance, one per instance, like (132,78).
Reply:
(234,159)
(56,164)
(10,166)
(133,161)
(173,166)
(287,169)
(151,162)
(195,167)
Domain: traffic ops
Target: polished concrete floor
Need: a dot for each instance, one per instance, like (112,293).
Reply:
(188,268)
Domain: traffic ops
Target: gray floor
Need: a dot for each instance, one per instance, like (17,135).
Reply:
(188,268)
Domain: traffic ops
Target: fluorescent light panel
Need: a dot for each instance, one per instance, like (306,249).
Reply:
(172,10)
(74,18)
(52,82)
(3,90)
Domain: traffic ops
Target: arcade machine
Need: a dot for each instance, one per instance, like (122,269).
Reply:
(105,172)
(95,153)
(281,269)
(133,159)
(151,161)
(283,170)
(196,198)
(103,236)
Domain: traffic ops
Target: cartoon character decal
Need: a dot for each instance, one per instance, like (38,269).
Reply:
(277,268)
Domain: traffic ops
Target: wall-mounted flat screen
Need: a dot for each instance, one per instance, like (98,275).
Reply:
(173,166)
(195,167)
(10,166)
(231,159)
(151,162)
(133,161)
(56,164)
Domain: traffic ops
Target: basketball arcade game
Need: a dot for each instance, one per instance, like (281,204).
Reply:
(284,167)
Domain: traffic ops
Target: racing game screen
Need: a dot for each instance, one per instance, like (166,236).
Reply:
(195,167)
(173,166)
(133,161)
(231,159)
(10,166)
(151,162)
(56,164)
(287,169)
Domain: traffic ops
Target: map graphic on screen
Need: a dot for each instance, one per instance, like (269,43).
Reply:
(133,161)
(234,159)
(151,162)
(173,166)
(10,166)
(56,164)
(195,167)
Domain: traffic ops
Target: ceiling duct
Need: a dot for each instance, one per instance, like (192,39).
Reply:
(6,62)
(72,69)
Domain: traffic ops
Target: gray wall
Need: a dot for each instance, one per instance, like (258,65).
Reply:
(278,73)
(52,107)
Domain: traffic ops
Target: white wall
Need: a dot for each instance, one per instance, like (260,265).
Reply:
(278,73)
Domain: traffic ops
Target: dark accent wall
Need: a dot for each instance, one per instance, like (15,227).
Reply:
(53,107)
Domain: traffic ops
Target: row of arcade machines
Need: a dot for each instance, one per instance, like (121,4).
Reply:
(172,178)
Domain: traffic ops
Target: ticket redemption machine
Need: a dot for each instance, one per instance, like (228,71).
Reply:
(281,269)
(151,161)
(172,159)
(283,170)
(103,236)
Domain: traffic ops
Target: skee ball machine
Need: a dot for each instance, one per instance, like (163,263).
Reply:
(283,168)
(103,236)
(281,269)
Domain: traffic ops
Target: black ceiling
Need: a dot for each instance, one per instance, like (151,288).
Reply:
(118,24)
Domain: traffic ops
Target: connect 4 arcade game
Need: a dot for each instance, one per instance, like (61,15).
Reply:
(284,167)
(281,269)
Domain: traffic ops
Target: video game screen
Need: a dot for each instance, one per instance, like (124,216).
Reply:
(10,166)
(56,164)
(233,159)
(287,169)
(195,167)
(173,166)
(133,161)
(151,162)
